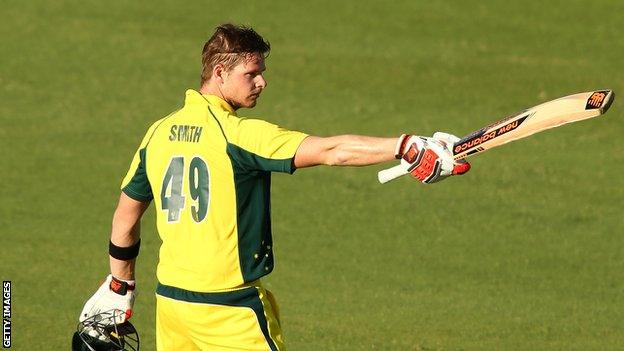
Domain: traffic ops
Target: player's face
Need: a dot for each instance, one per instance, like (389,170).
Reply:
(243,84)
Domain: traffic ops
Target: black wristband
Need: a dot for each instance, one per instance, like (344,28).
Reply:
(124,253)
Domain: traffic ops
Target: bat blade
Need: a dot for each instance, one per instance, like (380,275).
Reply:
(548,115)
(545,116)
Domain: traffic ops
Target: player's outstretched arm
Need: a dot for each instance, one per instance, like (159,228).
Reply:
(427,159)
(344,150)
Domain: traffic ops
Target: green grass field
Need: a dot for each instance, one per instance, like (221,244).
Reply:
(523,253)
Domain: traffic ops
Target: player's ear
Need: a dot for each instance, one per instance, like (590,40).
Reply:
(218,72)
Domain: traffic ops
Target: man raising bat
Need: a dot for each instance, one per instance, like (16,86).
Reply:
(208,172)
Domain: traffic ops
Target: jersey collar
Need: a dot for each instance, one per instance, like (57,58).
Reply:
(195,97)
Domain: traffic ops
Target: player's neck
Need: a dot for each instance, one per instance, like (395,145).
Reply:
(211,88)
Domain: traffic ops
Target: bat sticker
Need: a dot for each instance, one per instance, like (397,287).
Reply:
(595,100)
(486,134)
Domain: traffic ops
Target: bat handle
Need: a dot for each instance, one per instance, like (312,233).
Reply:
(391,173)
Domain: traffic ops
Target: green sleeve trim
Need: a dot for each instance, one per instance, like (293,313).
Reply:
(139,187)
(131,194)
(292,166)
(252,162)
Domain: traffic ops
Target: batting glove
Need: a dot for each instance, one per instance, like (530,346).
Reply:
(427,159)
(461,166)
(115,295)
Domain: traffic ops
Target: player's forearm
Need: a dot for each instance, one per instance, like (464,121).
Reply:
(124,269)
(125,234)
(358,150)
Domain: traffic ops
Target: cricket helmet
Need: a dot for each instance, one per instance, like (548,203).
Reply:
(100,332)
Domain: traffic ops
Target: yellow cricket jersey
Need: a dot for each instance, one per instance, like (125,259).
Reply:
(209,174)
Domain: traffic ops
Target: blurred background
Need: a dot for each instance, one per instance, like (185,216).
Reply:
(525,252)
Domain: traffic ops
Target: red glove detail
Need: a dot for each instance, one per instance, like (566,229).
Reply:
(412,154)
(401,145)
(120,287)
(427,167)
(461,168)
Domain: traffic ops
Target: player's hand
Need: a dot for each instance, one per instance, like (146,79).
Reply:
(461,166)
(115,295)
(427,159)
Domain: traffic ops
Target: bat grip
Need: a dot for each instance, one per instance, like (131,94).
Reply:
(391,173)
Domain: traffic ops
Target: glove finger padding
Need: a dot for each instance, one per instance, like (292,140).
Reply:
(444,163)
(447,138)
(428,168)
(461,166)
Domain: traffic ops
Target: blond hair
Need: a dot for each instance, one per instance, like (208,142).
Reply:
(230,45)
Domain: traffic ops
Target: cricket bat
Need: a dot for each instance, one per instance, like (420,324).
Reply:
(548,115)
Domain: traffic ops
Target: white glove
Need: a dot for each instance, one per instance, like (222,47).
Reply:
(446,138)
(115,295)
(426,159)
(461,166)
